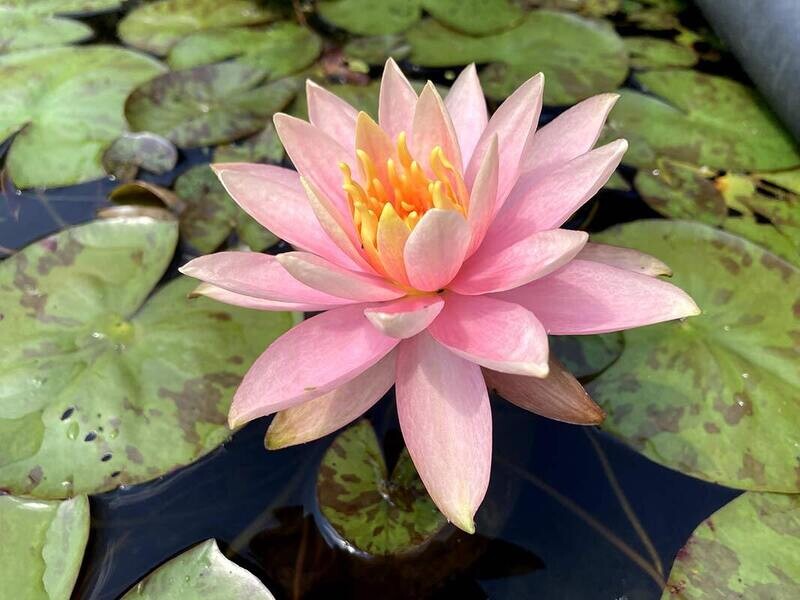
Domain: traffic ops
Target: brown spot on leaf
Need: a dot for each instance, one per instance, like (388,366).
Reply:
(133,454)
(58,257)
(710,427)
(752,469)
(742,406)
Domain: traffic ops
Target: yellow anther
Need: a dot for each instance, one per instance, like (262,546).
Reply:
(402,151)
(367,166)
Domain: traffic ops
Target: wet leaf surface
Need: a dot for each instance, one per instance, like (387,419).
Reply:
(62,7)
(99,388)
(367,17)
(589,8)
(145,150)
(262,147)
(23,30)
(655,53)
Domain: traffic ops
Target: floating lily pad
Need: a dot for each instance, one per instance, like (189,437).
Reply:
(22,30)
(682,191)
(158,26)
(617,182)
(656,53)
(208,105)
(376,514)
(374,50)
(766,235)
(588,355)
(750,548)
(710,396)
(145,150)
(475,17)
(367,17)
(66,106)
(43,544)
(654,15)
(99,388)
(579,57)
(62,7)
(263,147)
(589,8)
(201,572)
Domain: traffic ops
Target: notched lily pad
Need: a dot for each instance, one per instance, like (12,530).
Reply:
(22,30)
(475,17)
(367,17)
(376,514)
(132,151)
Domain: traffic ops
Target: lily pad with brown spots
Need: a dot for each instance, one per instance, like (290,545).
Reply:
(132,151)
(262,147)
(101,386)
(375,513)
(717,396)
(750,548)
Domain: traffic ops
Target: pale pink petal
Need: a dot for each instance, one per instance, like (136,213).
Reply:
(585,297)
(330,114)
(315,357)
(483,197)
(396,102)
(322,275)
(624,258)
(467,108)
(499,335)
(436,249)
(222,295)
(325,414)
(432,127)
(498,269)
(406,317)
(446,422)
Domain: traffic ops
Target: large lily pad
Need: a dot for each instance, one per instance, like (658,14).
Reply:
(158,26)
(475,17)
(655,53)
(201,572)
(589,8)
(375,49)
(42,549)
(750,548)
(21,30)
(579,57)
(65,105)
(62,7)
(710,396)
(367,17)
(376,514)
(99,388)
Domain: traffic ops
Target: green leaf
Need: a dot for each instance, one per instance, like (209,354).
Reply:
(43,545)
(62,7)
(589,8)
(367,17)
(656,15)
(710,396)
(262,147)
(655,53)
(376,49)
(99,388)
(208,105)
(579,57)
(201,572)
(378,515)
(617,182)
(750,548)
(157,26)
(132,151)
(584,356)
(475,17)
(766,235)
(66,105)
(22,30)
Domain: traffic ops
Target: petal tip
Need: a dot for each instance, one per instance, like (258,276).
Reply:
(464,522)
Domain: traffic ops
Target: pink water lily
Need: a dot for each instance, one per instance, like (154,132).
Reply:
(432,241)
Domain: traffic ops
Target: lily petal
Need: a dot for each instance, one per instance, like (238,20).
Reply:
(467,108)
(222,295)
(624,258)
(406,317)
(330,114)
(483,197)
(436,249)
(432,127)
(397,101)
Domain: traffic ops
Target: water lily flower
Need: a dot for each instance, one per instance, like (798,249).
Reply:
(432,242)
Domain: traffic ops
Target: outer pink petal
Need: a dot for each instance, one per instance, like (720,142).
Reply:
(446,421)
(332,115)
(499,335)
(483,197)
(436,248)
(318,273)
(624,258)
(222,295)
(397,101)
(313,358)
(587,297)
(467,108)
(406,317)
(432,127)
(325,414)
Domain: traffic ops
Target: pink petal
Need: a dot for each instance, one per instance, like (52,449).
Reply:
(322,275)
(446,421)
(493,269)
(467,108)
(432,127)
(315,357)
(397,101)
(495,334)
(483,197)
(586,297)
(436,248)
(330,114)
(624,258)
(326,413)
(406,317)
(222,295)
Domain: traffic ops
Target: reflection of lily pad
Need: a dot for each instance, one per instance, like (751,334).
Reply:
(202,572)
(376,514)
(99,388)
(750,548)
(157,26)
(22,30)
(367,17)
(66,104)
(207,105)
(711,396)
(655,53)
(475,17)
(42,548)
(132,151)
(579,57)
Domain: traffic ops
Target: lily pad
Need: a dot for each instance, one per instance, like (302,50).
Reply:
(654,15)
(132,151)
(208,105)
(263,147)
(62,7)
(22,30)
(588,355)
(65,105)
(367,17)
(201,572)
(99,388)
(750,548)
(655,53)
(157,26)
(43,545)
(710,396)
(588,8)
(579,57)
(374,50)
(475,17)
(766,235)
(376,514)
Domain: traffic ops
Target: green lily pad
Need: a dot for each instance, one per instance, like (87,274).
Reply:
(376,49)
(750,548)
(263,147)
(587,355)
(376,514)
(145,150)
(208,105)
(710,396)
(766,235)
(475,17)
(655,53)
(157,26)
(654,15)
(22,30)
(201,572)
(66,106)
(588,8)
(367,17)
(43,545)
(62,7)
(617,182)
(99,388)
(579,57)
